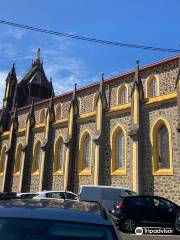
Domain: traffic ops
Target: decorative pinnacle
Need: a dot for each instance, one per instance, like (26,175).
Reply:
(137,63)
(38,54)
(75,86)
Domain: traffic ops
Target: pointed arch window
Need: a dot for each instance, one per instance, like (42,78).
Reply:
(36,157)
(85,154)
(2,159)
(58,111)
(123,95)
(59,155)
(118,146)
(18,159)
(152,87)
(163,147)
(120,150)
(161,138)
(42,116)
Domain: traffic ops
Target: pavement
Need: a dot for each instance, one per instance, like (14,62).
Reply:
(126,236)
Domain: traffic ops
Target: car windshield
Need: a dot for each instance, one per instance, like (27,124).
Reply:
(40,229)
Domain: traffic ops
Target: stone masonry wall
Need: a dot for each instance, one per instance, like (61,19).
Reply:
(166,186)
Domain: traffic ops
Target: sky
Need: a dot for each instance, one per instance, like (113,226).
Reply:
(68,61)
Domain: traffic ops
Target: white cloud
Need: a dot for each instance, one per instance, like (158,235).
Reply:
(59,57)
(15,33)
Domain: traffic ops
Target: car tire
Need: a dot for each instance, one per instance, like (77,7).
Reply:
(128,225)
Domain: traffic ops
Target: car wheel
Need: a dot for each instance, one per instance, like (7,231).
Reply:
(128,225)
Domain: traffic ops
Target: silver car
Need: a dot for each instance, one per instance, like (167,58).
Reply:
(56,195)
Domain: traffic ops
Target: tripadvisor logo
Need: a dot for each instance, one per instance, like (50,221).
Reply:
(151,230)
(139,231)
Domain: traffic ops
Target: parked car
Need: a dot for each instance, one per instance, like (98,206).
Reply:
(27,195)
(7,195)
(54,220)
(151,211)
(107,195)
(177,225)
(56,194)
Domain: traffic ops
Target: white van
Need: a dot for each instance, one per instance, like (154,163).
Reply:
(107,195)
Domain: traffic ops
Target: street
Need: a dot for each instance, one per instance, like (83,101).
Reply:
(125,236)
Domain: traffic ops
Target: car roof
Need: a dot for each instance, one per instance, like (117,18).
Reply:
(50,191)
(73,211)
(103,186)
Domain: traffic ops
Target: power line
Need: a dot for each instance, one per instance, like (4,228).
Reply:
(94,40)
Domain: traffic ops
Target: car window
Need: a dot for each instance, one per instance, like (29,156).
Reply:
(28,229)
(70,196)
(162,203)
(143,201)
(28,196)
(110,194)
(126,192)
(59,195)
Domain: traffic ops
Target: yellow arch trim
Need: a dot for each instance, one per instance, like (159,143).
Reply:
(2,165)
(82,170)
(154,148)
(33,170)
(148,81)
(115,171)
(17,156)
(119,92)
(55,170)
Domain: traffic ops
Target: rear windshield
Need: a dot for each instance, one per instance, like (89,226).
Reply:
(38,229)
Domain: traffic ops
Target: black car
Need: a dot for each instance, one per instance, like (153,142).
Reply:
(177,226)
(151,211)
(7,195)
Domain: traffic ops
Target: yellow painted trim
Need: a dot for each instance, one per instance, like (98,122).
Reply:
(82,170)
(39,126)
(86,116)
(70,123)
(163,172)
(99,115)
(58,173)
(36,173)
(135,107)
(148,81)
(60,122)
(21,131)
(85,172)
(55,170)
(153,136)
(120,108)
(5,135)
(164,98)
(17,174)
(119,93)
(120,171)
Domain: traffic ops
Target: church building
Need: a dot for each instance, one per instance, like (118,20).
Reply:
(123,131)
